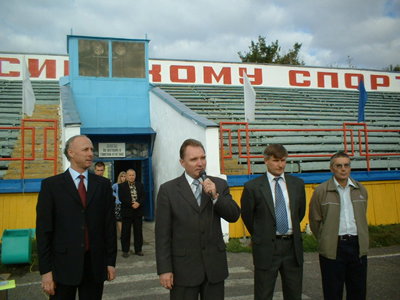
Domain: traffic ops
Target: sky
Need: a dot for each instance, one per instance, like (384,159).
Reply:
(340,33)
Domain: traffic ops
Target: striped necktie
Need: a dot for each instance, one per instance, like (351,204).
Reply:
(197,193)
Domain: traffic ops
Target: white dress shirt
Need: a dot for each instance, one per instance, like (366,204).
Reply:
(76,179)
(347,221)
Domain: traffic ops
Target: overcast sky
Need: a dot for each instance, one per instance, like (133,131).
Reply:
(213,30)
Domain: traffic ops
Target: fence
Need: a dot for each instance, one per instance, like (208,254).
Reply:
(24,144)
(348,135)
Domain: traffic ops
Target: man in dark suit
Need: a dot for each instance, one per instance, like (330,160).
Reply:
(190,250)
(132,196)
(273,206)
(75,228)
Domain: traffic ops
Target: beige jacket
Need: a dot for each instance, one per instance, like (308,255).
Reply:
(324,216)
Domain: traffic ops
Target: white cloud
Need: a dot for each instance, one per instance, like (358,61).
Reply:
(366,30)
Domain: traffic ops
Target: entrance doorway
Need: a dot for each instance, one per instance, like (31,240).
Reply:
(124,165)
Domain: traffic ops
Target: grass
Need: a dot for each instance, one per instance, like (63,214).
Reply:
(379,236)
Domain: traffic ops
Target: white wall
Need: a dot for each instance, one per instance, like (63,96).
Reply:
(67,133)
(172,130)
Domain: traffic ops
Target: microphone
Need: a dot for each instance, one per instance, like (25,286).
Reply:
(203,176)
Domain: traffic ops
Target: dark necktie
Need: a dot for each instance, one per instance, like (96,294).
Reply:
(82,194)
(280,209)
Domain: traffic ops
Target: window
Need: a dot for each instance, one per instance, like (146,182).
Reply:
(127,59)
(93,58)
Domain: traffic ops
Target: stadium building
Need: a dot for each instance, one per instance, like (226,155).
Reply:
(138,111)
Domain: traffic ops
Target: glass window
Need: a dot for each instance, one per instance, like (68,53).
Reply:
(93,58)
(128,60)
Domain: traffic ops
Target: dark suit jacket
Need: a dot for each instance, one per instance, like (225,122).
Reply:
(189,239)
(60,228)
(258,214)
(124,193)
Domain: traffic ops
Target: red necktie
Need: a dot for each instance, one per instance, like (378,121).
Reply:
(82,194)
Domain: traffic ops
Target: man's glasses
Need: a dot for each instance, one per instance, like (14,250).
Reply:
(340,166)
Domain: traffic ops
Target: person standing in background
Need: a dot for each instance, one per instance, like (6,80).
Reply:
(99,168)
(121,178)
(132,196)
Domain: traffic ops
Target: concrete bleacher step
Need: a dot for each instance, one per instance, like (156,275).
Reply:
(46,107)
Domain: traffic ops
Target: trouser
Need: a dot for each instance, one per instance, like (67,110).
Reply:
(206,290)
(347,269)
(284,261)
(137,233)
(88,289)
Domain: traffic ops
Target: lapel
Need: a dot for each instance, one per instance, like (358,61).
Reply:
(291,192)
(266,191)
(205,199)
(186,192)
(93,184)
(69,186)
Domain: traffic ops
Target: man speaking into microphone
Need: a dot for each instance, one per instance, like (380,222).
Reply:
(190,250)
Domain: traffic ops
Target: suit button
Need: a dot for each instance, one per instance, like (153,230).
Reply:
(82,227)
(83,211)
(202,232)
(204,248)
(82,245)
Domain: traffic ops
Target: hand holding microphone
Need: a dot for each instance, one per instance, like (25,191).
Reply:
(208,186)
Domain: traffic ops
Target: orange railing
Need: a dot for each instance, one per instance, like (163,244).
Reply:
(345,130)
(25,128)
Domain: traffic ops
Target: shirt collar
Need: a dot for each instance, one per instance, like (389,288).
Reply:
(349,183)
(271,177)
(189,179)
(75,174)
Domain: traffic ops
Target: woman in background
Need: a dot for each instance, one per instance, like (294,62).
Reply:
(121,178)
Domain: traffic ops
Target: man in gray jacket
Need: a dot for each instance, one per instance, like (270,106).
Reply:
(338,219)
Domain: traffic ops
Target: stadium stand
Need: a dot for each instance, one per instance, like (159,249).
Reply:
(47,94)
(287,116)
(303,110)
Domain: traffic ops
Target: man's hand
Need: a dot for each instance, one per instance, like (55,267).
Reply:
(210,188)
(167,280)
(111,272)
(135,205)
(48,285)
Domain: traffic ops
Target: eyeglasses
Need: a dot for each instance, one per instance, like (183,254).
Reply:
(340,166)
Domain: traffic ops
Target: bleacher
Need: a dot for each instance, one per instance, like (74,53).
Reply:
(285,109)
(46,92)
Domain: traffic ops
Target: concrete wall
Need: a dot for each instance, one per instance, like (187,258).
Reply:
(172,129)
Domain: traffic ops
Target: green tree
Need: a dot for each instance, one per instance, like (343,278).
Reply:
(392,68)
(261,53)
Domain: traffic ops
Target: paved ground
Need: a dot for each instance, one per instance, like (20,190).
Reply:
(137,278)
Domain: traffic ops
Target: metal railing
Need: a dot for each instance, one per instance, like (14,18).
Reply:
(363,142)
(23,128)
